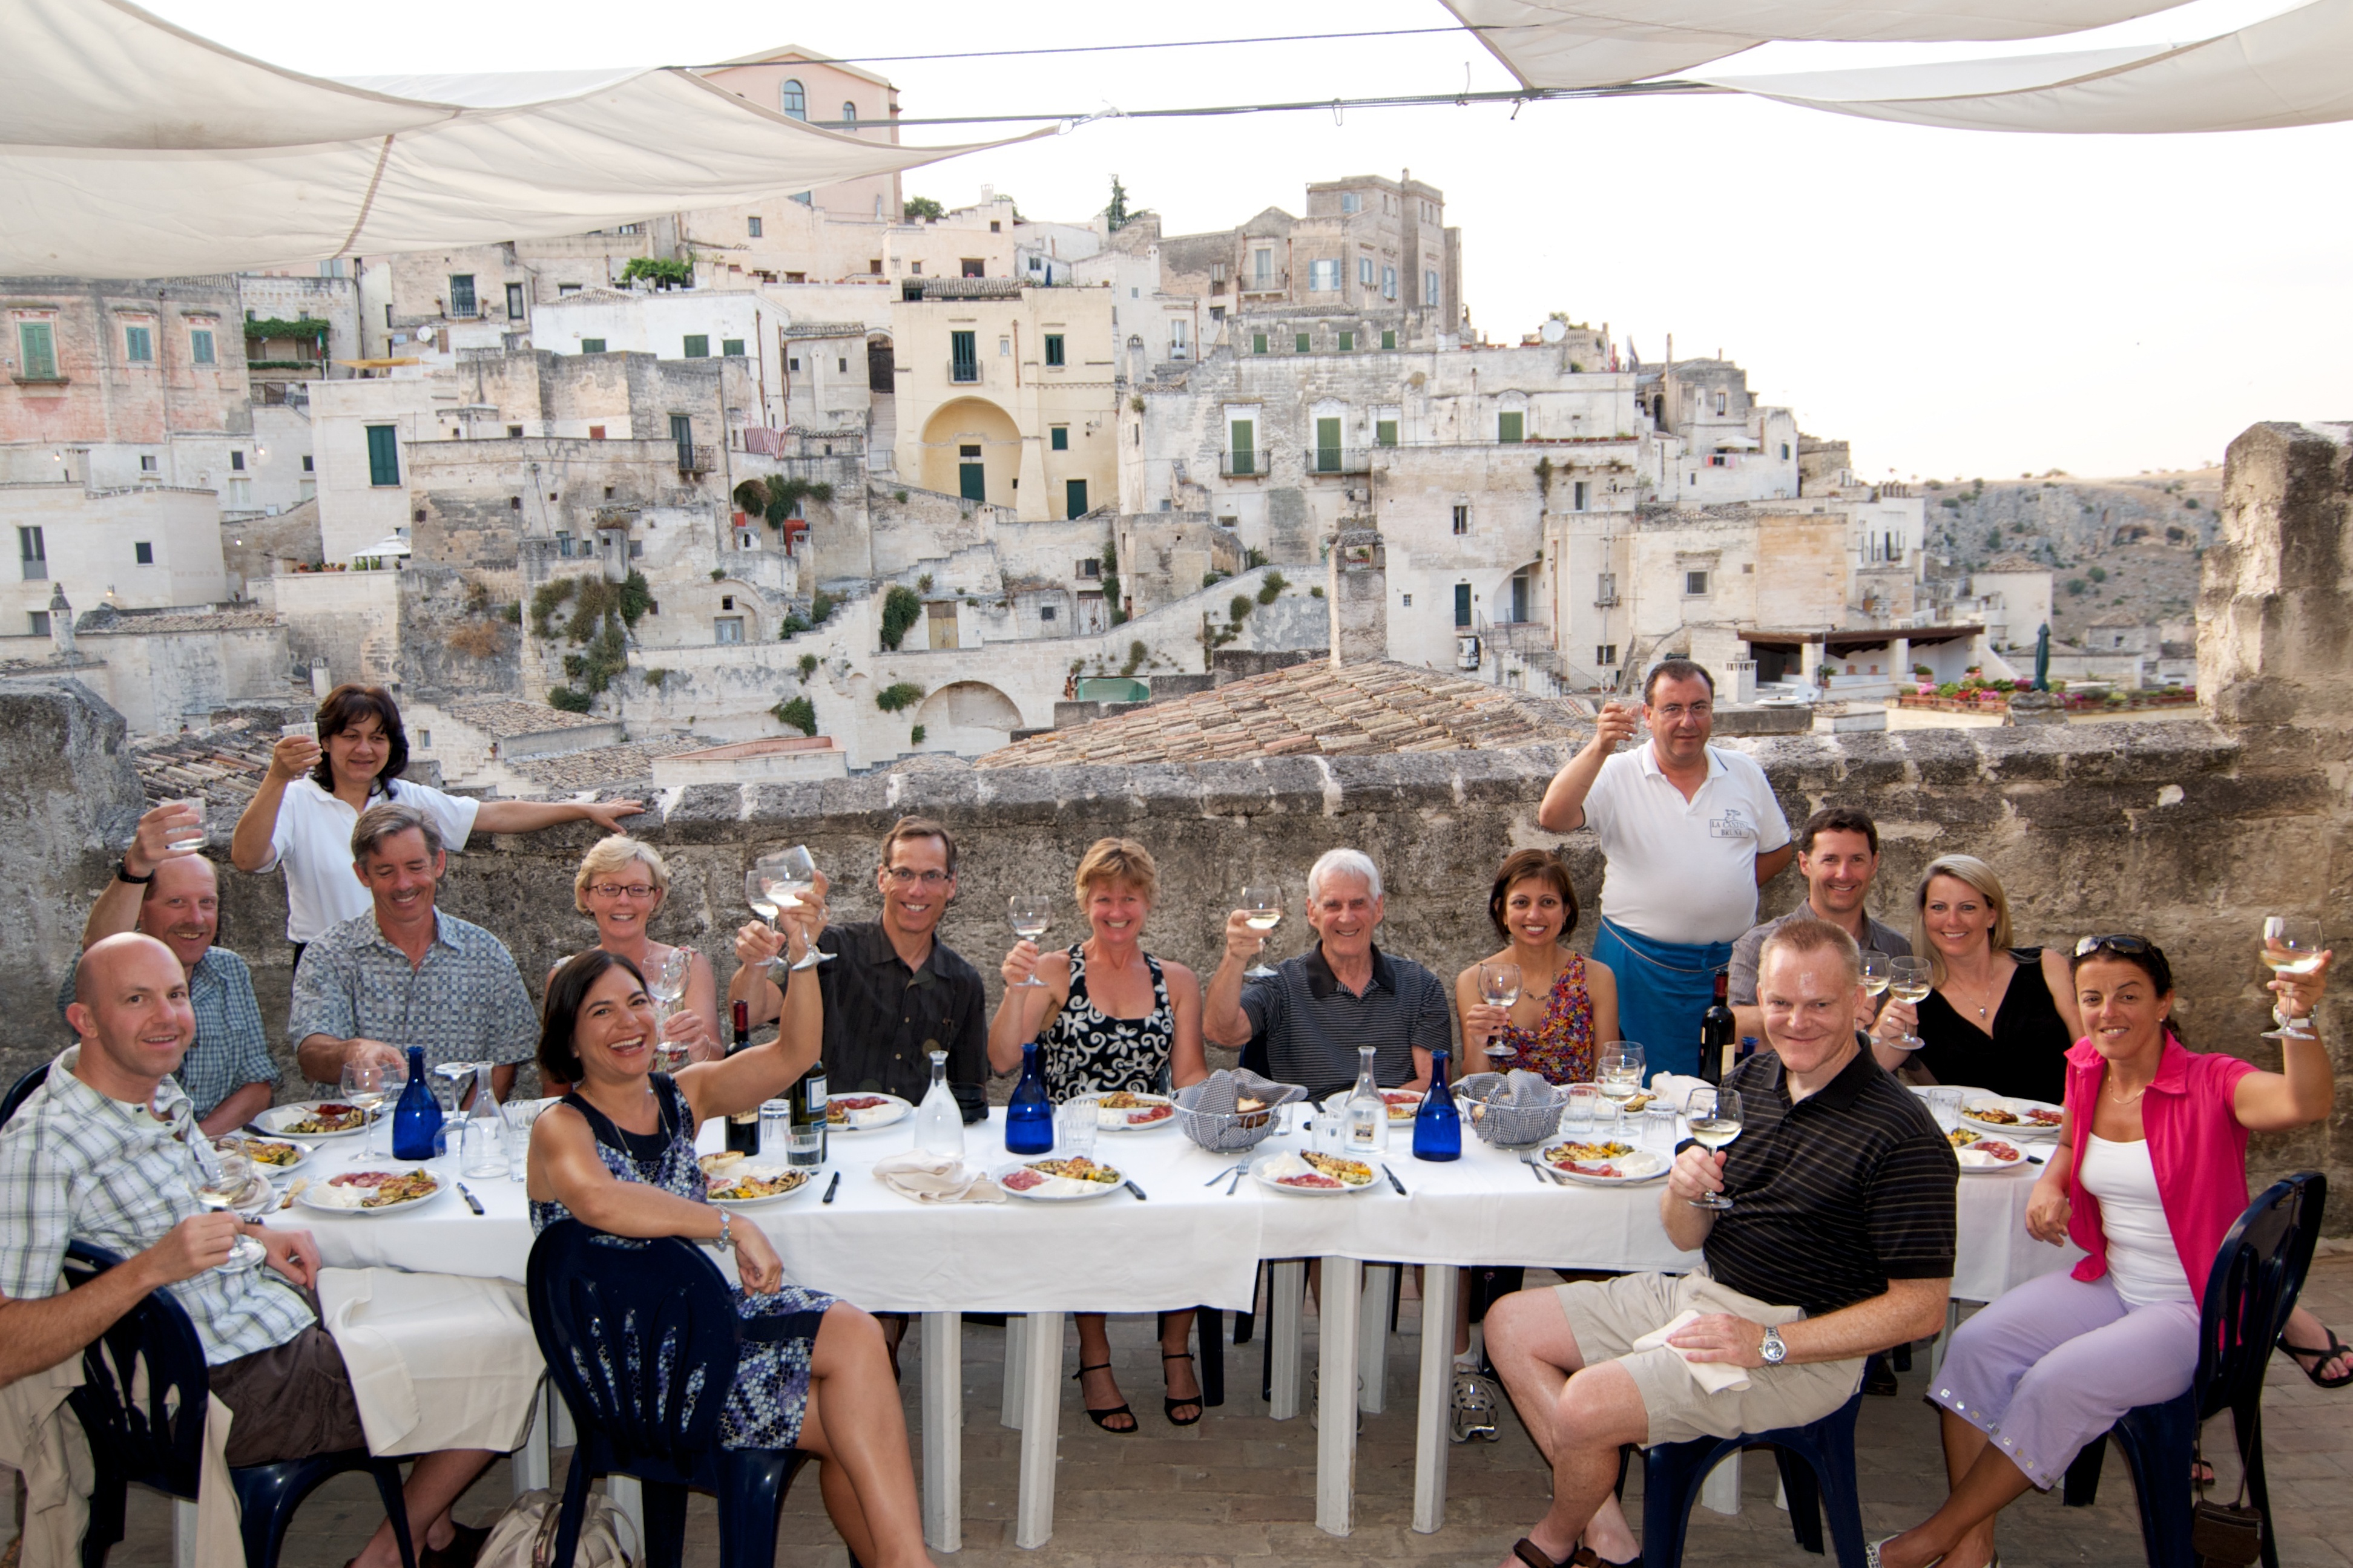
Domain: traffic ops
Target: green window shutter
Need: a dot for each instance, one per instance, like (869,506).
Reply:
(1059,439)
(1074,498)
(1507,427)
(1388,339)
(38,341)
(200,347)
(1258,343)
(461,294)
(1299,344)
(1243,442)
(732,348)
(964,356)
(1348,343)
(139,345)
(1385,433)
(384,455)
(698,346)
(1462,604)
(1054,348)
(592,345)
(1327,446)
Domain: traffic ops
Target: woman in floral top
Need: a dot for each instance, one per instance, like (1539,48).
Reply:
(1567,1004)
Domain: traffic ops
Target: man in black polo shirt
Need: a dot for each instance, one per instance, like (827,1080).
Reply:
(1838,1243)
(1342,994)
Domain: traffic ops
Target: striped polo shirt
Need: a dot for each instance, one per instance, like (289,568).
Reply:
(1313,1025)
(1835,1195)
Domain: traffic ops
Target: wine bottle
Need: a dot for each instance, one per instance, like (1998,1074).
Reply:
(807,1098)
(1437,1125)
(416,1120)
(1715,1027)
(743,1126)
(1028,1115)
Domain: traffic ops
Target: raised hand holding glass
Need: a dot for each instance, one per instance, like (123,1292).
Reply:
(1715,1116)
(1499,984)
(1030,919)
(2291,946)
(1262,905)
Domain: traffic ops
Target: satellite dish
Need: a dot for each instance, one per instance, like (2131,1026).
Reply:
(423,334)
(1554,331)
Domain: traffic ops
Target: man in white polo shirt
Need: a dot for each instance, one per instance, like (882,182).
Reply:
(1690,833)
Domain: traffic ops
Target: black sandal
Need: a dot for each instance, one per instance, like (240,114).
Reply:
(2320,1358)
(1168,1407)
(1102,1417)
(1529,1553)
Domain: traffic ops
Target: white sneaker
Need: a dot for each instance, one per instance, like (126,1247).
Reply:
(1477,1403)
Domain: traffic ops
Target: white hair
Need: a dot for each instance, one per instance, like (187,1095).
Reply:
(1342,863)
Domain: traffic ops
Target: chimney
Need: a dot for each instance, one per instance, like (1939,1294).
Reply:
(61,626)
(1357,592)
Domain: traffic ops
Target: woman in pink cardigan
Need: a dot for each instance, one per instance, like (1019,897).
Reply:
(2150,1174)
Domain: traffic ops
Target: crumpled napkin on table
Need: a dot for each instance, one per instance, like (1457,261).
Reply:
(1675,1088)
(935,1179)
(1221,1091)
(1713,1376)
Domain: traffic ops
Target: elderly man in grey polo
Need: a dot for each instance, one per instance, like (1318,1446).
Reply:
(404,973)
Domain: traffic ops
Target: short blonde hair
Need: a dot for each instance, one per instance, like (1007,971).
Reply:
(1804,935)
(1116,860)
(612,854)
(1966,868)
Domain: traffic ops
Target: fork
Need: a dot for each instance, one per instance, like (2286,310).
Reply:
(1545,1175)
(1528,1158)
(1221,1175)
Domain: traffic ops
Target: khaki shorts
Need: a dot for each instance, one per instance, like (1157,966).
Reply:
(1608,1315)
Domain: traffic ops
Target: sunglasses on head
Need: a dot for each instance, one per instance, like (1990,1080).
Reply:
(2133,946)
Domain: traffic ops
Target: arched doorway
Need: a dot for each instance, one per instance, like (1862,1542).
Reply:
(968,717)
(971,447)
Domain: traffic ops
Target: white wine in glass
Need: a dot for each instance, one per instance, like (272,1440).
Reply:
(364,1085)
(1499,985)
(1714,1119)
(1908,980)
(1874,974)
(2291,946)
(1030,919)
(221,1181)
(792,875)
(1263,912)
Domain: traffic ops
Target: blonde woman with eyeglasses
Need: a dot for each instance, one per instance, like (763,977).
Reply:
(621,884)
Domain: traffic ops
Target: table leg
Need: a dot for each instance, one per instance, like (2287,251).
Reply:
(627,1495)
(184,1534)
(1721,1490)
(1336,1404)
(1286,1294)
(1435,1410)
(1008,1403)
(1381,1286)
(529,1466)
(944,1431)
(1041,1425)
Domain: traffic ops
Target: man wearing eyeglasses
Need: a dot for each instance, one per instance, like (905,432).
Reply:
(893,993)
(1690,832)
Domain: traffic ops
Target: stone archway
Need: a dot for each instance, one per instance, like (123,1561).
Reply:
(971,447)
(968,717)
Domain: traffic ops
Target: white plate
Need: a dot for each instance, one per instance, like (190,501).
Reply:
(2008,1129)
(302,1152)
(810,1174)
(1115,1119)
(279,1117)
(308,1201)
(1638,1166)
(1267,1170)
(867,1119)
(1058,1189)
(1400,1112)
(1975,1160)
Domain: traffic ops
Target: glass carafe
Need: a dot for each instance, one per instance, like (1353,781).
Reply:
(1366,1114)
(939,1120)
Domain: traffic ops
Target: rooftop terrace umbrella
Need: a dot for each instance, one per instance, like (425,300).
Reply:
(132,148)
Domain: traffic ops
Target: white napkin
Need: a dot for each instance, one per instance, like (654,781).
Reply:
(936,1178)
(437,1360)
(1713,1376)
(1676,1088)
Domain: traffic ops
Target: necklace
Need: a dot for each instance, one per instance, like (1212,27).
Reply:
(2129,1098)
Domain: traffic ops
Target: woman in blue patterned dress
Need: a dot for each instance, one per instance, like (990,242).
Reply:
(1108,1016)
(618,1153)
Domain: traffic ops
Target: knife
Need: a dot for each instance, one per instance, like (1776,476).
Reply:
(472,1200)
(1131,1187)
(306,1139)
(831,1188)
(1394,1182)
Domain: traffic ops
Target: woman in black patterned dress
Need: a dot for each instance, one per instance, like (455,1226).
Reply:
(618,1153)
(1113,1017)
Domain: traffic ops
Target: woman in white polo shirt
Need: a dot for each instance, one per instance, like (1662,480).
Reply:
(303,816)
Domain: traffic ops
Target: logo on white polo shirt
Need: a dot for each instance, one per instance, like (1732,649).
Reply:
(1733,824)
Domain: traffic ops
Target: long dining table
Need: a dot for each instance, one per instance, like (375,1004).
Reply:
(1194,1239)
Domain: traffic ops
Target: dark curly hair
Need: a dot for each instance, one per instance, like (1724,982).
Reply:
(1542,865)
(343,708)
(2137,950)
(558,1055)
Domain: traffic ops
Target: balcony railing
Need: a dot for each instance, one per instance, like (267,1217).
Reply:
(1244,465)
(465,311)
(694,459)
(1339,459)
(964,369)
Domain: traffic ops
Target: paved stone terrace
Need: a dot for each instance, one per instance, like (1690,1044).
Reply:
(1239,1491)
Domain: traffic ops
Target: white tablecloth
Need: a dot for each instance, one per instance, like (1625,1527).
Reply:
(1189,1245)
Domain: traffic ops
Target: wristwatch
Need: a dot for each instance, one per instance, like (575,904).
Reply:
(123,874)
(1773,1350)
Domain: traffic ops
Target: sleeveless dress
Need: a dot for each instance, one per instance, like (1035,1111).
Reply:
(1083,1050)
(1561,1045)
(778,1332)
(2025,1052)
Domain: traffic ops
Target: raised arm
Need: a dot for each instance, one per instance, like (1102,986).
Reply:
(740,1082)
(1024,1009)
(756,947)
(250,846)
(2304,1089)
(530,815)
(1563,808)
(1223,1022)
(117,910)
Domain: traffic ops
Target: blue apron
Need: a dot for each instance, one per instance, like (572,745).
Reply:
(1663,989)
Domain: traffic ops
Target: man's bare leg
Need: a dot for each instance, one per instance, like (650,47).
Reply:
(1535,1352)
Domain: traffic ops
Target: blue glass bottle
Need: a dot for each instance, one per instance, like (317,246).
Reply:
(416,1120)
(1438,1126)
(1028,1115)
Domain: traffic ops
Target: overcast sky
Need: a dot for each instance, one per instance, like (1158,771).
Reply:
(1953,303)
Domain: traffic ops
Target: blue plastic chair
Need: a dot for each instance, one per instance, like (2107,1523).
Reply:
(159,1441)
(22,1090)
(640,1338)
(2253,1286)
(1817,1466)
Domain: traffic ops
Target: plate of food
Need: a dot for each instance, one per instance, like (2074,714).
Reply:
(1058,1181)
(1316,1175)
(371,1191)
(1962,1137)
(865,1112)
(1984,1154)
(312,1119)
(2017,1118)
(1402,1103)
(1605,1162)
(274,1155)
(743,1184)
(1123,1111)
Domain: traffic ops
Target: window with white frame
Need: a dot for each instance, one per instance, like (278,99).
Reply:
(1430,288)
(1351,203)
(1365,271)
(1323,276)
(1261,266)
(1605,654)
(1695,585)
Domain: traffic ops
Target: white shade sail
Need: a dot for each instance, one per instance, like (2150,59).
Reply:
(1603,43)
(132,148)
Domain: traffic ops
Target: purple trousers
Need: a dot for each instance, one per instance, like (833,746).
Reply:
(2054,1362)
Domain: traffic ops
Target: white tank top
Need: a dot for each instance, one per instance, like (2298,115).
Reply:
(2142,1258)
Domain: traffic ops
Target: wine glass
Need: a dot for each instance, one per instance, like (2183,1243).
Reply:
(1262,907)
(1030,918)
(1876,975)
(2291,946)
(222,1180)
(449,1084)
(1499,984)
(1909,980)
(792,874)
(1715,1116)
(1617,1071)
(364,1084)
(667,985)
